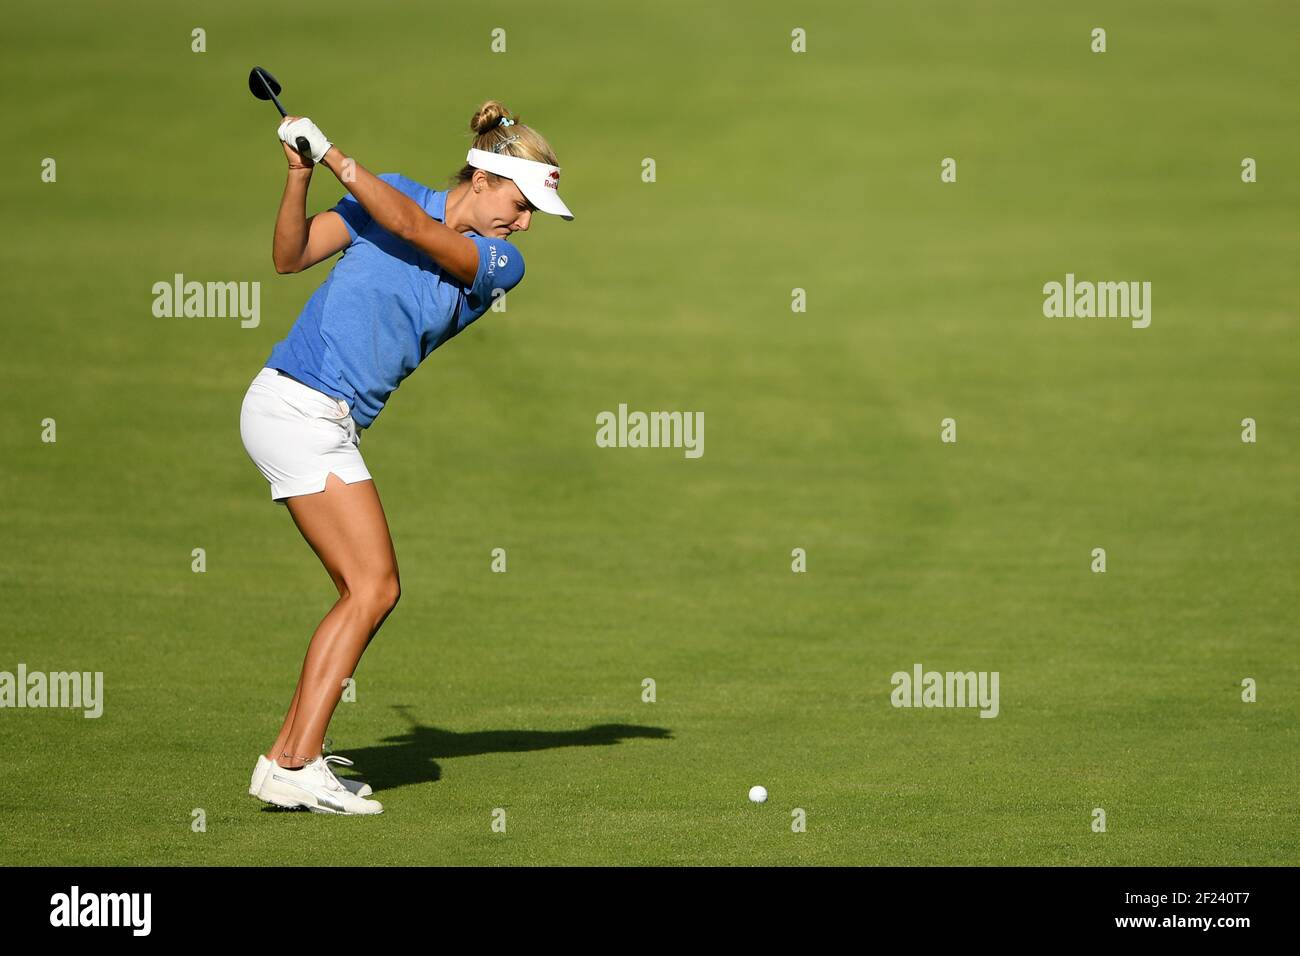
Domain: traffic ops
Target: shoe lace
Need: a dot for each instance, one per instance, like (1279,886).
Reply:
(335,783)
(331,782)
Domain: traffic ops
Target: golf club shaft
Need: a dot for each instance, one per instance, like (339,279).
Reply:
(304,147)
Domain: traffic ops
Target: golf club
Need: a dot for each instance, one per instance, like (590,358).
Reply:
(265,87)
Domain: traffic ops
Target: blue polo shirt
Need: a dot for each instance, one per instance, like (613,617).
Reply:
(386,305)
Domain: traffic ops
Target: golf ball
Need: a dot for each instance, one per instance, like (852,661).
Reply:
(758,794)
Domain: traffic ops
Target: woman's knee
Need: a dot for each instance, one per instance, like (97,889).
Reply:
(379,593)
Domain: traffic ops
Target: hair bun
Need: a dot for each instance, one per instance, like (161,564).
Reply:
(488,117)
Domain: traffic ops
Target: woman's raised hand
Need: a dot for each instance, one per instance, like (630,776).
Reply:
(293,128)
(296,160)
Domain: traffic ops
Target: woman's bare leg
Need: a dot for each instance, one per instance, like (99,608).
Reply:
(346,527)
(283,739)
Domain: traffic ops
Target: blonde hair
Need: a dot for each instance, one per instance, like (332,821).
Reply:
(513,140)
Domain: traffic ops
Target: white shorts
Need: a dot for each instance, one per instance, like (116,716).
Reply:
(296,435)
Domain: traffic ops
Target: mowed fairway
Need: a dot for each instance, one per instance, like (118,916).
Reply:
(774,171)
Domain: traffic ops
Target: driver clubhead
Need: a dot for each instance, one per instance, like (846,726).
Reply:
(263,90)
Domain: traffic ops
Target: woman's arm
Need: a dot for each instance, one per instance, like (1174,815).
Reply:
(291,221)
(403,217)
(300,242)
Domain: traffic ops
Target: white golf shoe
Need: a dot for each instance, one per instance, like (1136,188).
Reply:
(264,766)
(314,787)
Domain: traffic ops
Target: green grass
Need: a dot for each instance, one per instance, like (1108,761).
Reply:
(774,171)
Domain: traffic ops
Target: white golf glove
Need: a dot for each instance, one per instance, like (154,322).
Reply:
(302,126)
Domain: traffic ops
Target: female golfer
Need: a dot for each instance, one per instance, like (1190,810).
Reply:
(420,266)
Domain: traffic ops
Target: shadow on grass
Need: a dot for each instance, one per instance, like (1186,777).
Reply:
(413,757)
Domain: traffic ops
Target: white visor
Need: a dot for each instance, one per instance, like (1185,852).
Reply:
(539,182)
